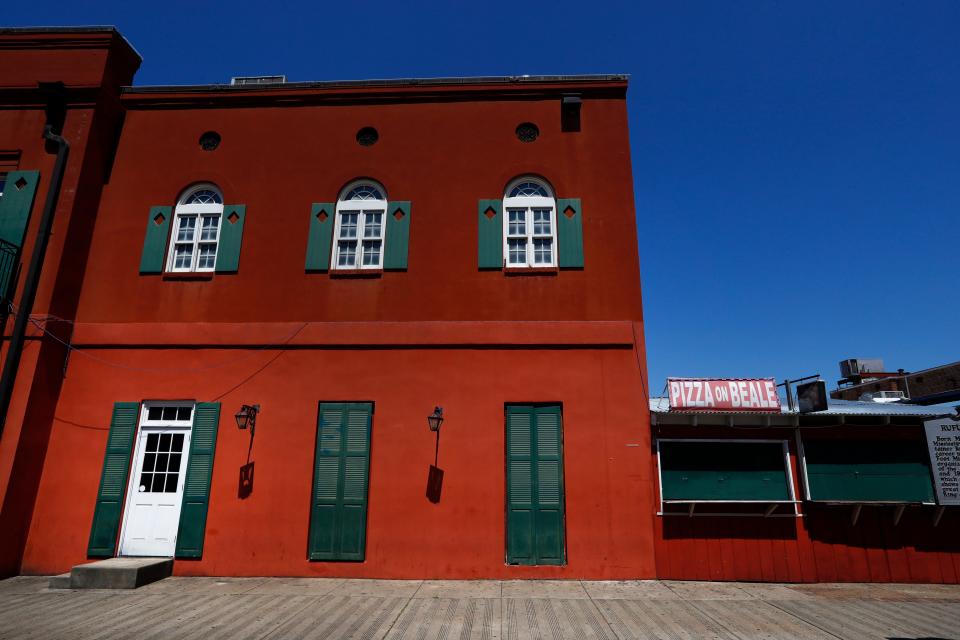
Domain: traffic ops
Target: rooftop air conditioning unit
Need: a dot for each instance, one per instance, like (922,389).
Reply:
(859,366)
(258,80)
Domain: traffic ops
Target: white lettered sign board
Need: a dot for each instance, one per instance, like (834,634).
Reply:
(943,438)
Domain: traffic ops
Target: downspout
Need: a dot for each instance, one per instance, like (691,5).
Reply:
(55,116)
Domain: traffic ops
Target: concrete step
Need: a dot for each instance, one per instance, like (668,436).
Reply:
(120,573)
(61,581)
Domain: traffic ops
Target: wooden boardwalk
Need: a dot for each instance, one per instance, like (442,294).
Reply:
(302,608)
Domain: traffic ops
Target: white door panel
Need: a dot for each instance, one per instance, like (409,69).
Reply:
(155,493)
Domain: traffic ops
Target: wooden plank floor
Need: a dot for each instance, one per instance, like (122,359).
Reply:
(305,608)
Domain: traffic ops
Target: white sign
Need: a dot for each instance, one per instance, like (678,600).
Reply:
(943,438)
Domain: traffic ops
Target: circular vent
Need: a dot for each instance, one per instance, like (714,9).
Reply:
(527,132)
(209,140)
(367,136)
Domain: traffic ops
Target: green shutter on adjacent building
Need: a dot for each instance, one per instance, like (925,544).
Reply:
(490,234)
(155,240)
(868,470)
(320,237)
(397,235)
(569,233)
(196,487)
(535,495)
(338,512)
(113,480)
(231,237)
(698,470)
(16,204)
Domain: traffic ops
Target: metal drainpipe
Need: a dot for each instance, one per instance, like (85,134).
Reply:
(32,282)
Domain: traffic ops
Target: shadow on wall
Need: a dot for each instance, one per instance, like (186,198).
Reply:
(875,528)
(758,528)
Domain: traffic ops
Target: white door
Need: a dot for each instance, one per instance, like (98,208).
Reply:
(152,514)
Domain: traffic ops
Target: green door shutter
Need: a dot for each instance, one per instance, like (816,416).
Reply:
(490,234)
(113,480)
(231,235)
(535,497)
(321,236)
(338,514)
(569,233)
(155,240)
(398,235)
(196,488)
(16,205)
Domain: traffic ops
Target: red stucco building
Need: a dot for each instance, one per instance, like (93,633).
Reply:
(347,256)
(326,265)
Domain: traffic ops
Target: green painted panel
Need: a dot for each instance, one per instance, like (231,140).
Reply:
(320,238)
(113,480)
(569,233)
(196,491)
(868,470)
(397,235)
(535,496)
(16,205)
(338,514)
(490,234)
(231,237)
(731,471)
(155,240)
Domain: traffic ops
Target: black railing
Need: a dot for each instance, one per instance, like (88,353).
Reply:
(9,259)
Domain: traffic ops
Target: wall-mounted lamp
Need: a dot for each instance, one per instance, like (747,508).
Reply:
(247,416)
(435,419)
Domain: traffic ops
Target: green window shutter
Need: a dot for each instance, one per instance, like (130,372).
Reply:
(723,471)
(113,480)
(398,235)
(16,205)
(155,240)
(338,513)
(569,233)
(490,234)
(196,487)
(535,495)
(231,236)
(868,470)
(320,236)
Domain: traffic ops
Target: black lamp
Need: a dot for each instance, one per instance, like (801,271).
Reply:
(247,416)
(435,419)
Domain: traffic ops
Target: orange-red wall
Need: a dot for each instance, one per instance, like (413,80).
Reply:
(605,431)
(822,546)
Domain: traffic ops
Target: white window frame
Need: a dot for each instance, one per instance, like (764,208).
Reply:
(769,513)
(198,212)
(361,208)
(529,204)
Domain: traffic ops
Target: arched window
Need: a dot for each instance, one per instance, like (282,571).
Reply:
(530,224)
(360,227)
(196,229)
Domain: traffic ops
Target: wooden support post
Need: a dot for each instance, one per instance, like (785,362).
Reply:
(856,514)
(690,509)
(898,514)
(770,509)
(937,514)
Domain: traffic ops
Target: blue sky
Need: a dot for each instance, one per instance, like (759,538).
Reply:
(796,164)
